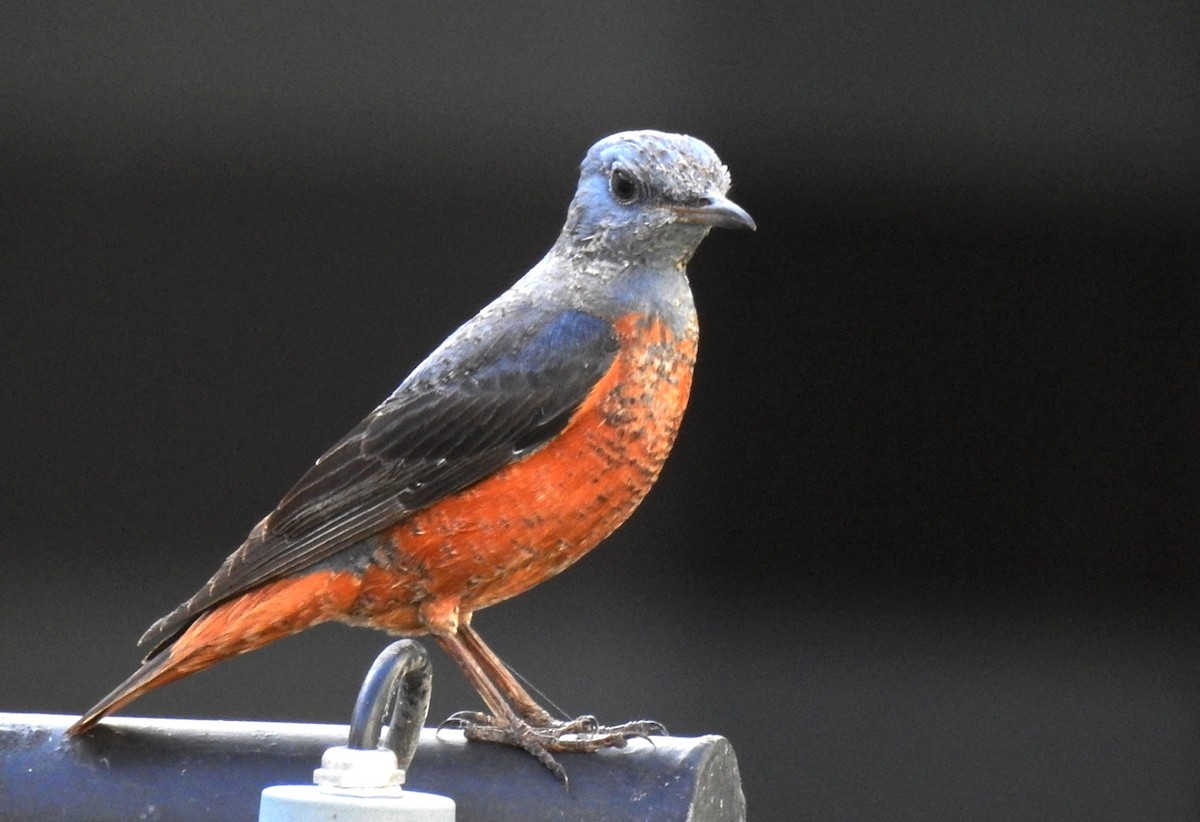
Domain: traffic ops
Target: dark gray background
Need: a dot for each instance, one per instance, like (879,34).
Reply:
(926,548)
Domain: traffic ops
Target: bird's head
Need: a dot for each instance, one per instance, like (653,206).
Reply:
(650,194)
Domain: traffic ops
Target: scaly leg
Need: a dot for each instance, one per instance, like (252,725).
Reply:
(503,725)
(517,719)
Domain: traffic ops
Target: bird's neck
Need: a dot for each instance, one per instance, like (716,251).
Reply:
(617,285)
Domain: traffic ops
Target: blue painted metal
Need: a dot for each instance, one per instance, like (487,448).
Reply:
(202,770)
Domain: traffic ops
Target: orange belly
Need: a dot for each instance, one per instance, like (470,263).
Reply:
(535,517)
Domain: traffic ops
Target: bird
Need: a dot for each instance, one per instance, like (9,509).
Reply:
(526,438)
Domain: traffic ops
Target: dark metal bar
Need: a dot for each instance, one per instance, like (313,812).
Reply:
(163,769)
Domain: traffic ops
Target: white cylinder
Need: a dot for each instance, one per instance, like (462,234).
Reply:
(308,803)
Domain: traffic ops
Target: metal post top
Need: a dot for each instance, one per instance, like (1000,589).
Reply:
(301,803)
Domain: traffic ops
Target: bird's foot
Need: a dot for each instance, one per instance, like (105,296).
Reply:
(580,735)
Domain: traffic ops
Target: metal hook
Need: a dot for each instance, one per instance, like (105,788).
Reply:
(400,679)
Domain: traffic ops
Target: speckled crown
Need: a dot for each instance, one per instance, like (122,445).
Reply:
(677,164)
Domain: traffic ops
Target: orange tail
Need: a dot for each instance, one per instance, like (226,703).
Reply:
(261,616)
(154,672)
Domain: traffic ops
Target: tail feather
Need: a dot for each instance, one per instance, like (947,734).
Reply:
(154,672)
(250,621)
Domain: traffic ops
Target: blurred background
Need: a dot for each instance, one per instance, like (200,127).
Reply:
(926,547)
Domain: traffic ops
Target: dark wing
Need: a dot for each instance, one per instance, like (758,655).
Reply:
(458,422)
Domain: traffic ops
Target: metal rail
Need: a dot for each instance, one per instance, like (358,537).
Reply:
(173,769)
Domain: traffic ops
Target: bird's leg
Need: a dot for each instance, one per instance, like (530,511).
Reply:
(503,679)
(585,733)
(503,725)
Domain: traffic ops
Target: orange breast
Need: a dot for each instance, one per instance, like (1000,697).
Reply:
(535,517)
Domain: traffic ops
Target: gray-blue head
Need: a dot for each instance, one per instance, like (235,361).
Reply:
(646,194)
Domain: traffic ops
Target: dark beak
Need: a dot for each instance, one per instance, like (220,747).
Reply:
(715,210)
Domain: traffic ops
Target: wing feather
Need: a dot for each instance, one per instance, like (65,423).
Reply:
(435,436)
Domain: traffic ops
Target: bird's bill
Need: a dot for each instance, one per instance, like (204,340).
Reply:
(717,211)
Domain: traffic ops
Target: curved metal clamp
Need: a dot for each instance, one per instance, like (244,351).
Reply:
(400,680)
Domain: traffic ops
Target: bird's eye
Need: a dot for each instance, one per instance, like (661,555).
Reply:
(624,187)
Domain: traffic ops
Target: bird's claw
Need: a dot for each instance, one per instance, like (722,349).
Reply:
(583,734)
(465,719)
